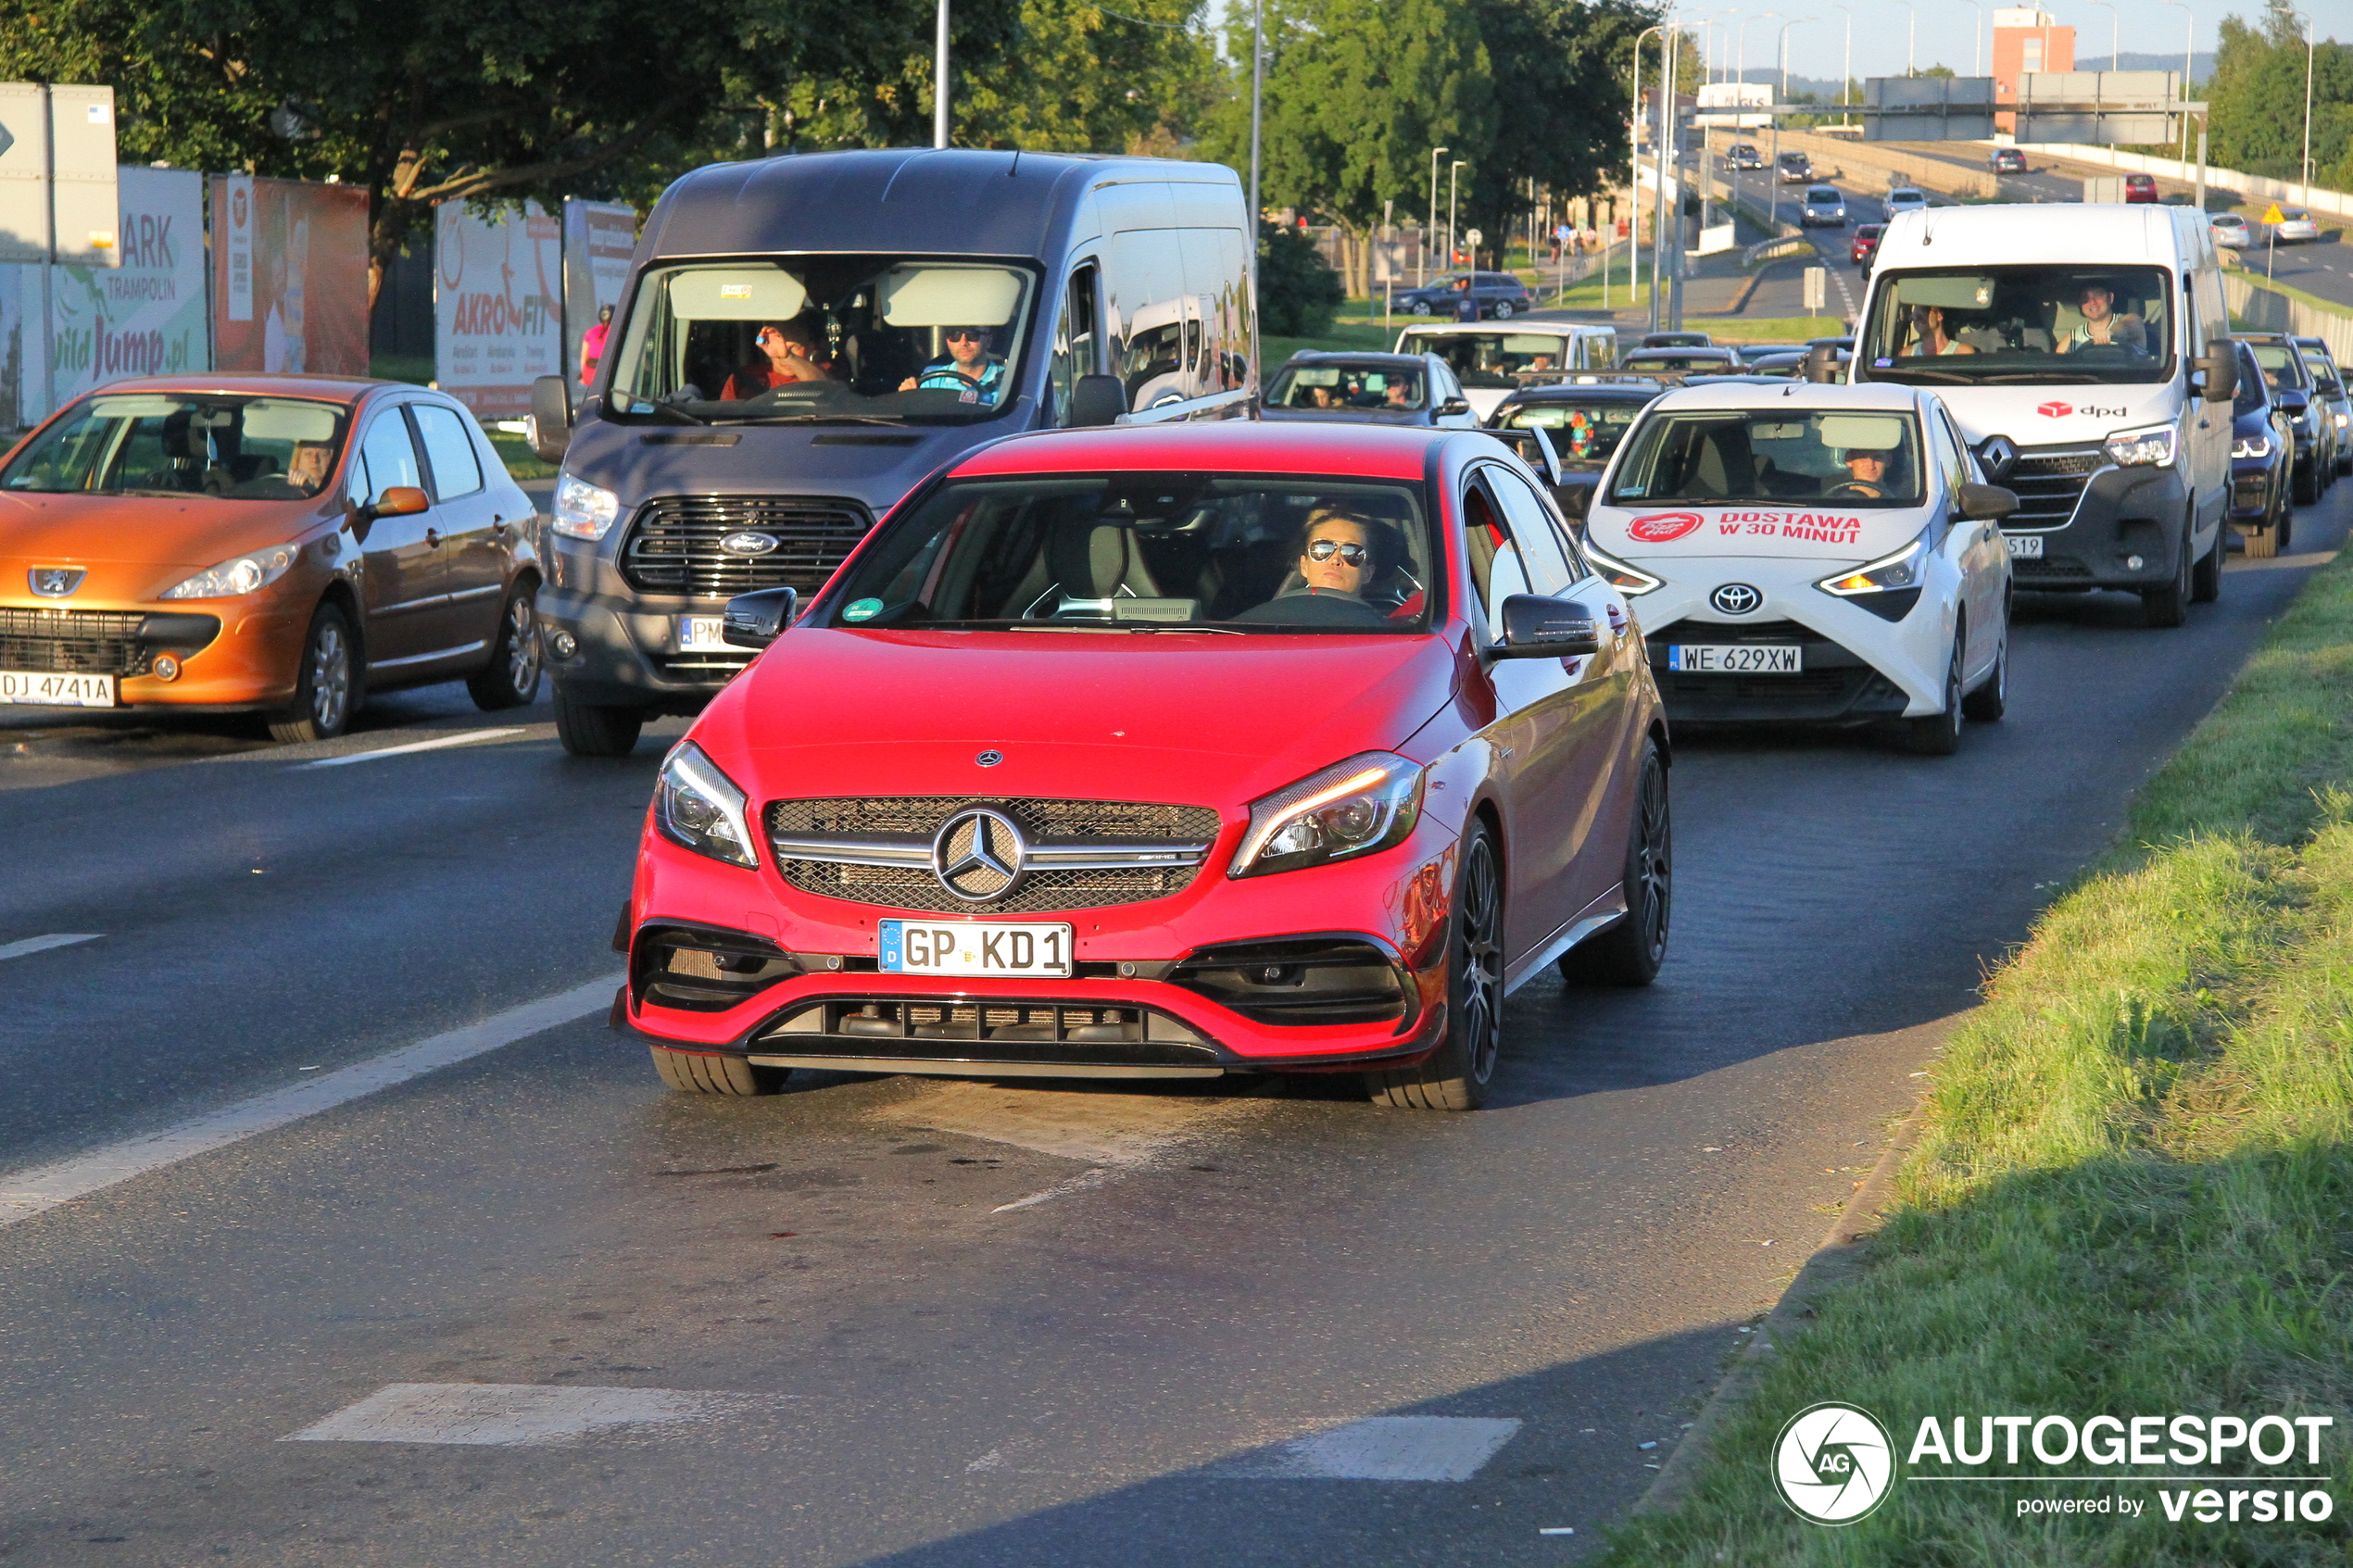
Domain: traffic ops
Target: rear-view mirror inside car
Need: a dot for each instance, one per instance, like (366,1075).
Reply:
(757,618)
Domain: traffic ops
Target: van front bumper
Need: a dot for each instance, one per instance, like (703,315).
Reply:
(2122,516)
(625,654)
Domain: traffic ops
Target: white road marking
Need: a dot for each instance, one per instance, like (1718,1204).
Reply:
(512,1415)
(26,1193)
(42,944)
(1080,1183)
(1386,1448)
(464,737)
(1114,1133)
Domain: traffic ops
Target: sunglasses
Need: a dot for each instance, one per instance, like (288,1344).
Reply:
(1325,549)
(957,334)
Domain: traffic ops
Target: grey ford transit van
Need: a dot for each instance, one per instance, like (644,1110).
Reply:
(803,339)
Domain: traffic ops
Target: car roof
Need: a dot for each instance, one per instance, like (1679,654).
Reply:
(332,389)
(1733,391)
(1517,326)
(1371,359)
(1369,451)
(1564,391)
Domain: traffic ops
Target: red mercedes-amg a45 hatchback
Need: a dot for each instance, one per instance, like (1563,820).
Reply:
(1165,753)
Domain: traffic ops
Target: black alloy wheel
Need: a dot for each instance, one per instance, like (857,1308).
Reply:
(1454,1076)
(2169,605)
(511,678)
(1938,735)
(1630,952)
(326,682)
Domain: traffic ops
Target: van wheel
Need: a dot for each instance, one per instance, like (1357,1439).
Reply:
(1938,735)
(589,729)
(694,1074)
(326,682)
(511,678)
(1454,1076)
(1630,952)
(2206,580)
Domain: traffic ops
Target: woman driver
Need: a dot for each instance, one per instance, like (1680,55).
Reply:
(1339,551)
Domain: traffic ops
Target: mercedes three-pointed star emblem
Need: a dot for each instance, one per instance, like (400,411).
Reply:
(979,855)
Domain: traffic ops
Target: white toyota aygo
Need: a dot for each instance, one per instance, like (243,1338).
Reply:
(1811,553)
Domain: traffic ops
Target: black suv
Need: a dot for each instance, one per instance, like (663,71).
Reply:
(1500,295)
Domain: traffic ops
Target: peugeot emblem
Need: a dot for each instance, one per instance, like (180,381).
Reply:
(989,759)
(1995,454)
(748,543)
(1735,598)
(56,582)
(979,855)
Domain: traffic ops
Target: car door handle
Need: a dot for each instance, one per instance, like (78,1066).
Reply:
(433,538)
(498,526)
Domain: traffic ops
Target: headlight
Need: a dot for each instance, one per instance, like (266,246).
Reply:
(584,511)
(1630,581)
(2133,448)
(2340,419)
(1354,807)
(1904,569)
(242,575)
(2251,446)
(698,807)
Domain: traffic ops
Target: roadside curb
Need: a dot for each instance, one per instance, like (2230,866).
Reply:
(1836,1259)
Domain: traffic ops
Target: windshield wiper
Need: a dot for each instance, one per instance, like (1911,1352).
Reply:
(816,420)
(672,409)
(2068,378)
(1891,373)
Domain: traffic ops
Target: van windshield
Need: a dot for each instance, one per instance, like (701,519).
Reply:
(823,338)
(2020,325)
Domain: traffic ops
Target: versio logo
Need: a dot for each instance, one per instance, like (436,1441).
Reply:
(1833,1462)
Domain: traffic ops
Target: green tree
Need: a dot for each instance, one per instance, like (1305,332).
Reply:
(2256,96)
(1297,292)
(1079,78)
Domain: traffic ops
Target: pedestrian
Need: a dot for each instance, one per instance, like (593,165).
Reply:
(592,345)
(1465,301)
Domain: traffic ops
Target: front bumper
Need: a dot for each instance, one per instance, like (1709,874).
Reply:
(2252,481)
(230,654)
(2095,519)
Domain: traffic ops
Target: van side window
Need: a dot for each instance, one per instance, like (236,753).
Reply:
(1076,335)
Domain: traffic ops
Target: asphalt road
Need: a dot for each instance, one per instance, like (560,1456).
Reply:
(530,1309)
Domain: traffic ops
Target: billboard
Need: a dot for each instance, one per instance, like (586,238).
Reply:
(145,315)
(497,312)
(600,238)
(290,276)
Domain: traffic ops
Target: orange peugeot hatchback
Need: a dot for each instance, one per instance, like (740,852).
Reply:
(272,543)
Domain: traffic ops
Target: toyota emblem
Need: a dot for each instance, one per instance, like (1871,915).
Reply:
(979,855)
(748,543)
(55,582)
(1735,598)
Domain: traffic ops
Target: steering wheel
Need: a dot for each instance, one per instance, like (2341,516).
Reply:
(1303,608)
(1856,487)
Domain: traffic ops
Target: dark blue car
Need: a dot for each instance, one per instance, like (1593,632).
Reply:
(1500,295)
(2262,459)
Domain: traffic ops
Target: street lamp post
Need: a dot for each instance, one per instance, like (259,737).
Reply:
(1257,87)
(1633,182)
(1429,225)
(1743,49)
(939,82)
(2305,168)
(1846,71)
(1453,189)
(1911,33)
(2189,46)
(1774,174)
(2115,40)
(1665,241)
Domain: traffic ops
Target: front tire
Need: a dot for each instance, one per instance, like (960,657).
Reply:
(511,678)
(1629,953)
(589,729)
(694,1074)
(326,682)
(2205,579)
(2169,605)
(1938,735)
(1421,307)
(1454,1076)
(1992,699)
(1502,310)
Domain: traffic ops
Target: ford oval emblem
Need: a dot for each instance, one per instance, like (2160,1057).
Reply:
(747,542)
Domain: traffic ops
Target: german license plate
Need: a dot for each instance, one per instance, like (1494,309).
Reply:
(2025,545)
(59,691)
(1736,659)
(974,947)
(700,633)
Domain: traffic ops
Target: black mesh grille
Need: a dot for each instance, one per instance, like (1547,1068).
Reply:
(1819,687)
(914,887)
(92,642)
(2048,484)
(672,547)
(2049,569)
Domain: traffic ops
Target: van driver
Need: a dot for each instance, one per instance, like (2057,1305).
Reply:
(967,368)
(2101,326)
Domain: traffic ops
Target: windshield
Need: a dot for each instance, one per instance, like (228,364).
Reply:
(1779,454)
(194,443)
(2280,364)
(1348,386)
(1143,553)
(1584,434)
(1493,359)
(819,338)
(1993,325)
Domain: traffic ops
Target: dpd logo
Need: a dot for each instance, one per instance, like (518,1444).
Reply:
(2055,410)
(1833,1463)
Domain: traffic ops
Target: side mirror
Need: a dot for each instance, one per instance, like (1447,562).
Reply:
(550,417)
(1987,503)
(2294,399)
(1452,407)
(1542,628)
(2220,368)
(1097,400)
(1821,363)
(399,500)
(757,618)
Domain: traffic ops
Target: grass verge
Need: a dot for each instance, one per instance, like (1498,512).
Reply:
(2133,1190)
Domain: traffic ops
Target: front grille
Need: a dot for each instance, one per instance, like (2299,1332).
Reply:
(2049,569)
(812,838)
(2049,483)
(1039,1032)
(1807,688)
(672,545)
(95,642)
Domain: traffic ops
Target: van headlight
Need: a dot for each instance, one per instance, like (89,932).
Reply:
(2137,448)
(1369,802)
(584,511)
(698,807)
(1630,580)
(240,575)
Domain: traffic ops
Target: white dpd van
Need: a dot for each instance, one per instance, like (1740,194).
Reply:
(2075,346)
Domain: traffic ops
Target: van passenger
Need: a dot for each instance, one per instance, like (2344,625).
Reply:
(791,356)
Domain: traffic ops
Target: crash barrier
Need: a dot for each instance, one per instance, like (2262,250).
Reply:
(1777,247)
(2250,187)
(2270,310)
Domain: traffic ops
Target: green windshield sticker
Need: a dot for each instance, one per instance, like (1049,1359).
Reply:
(862,609)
